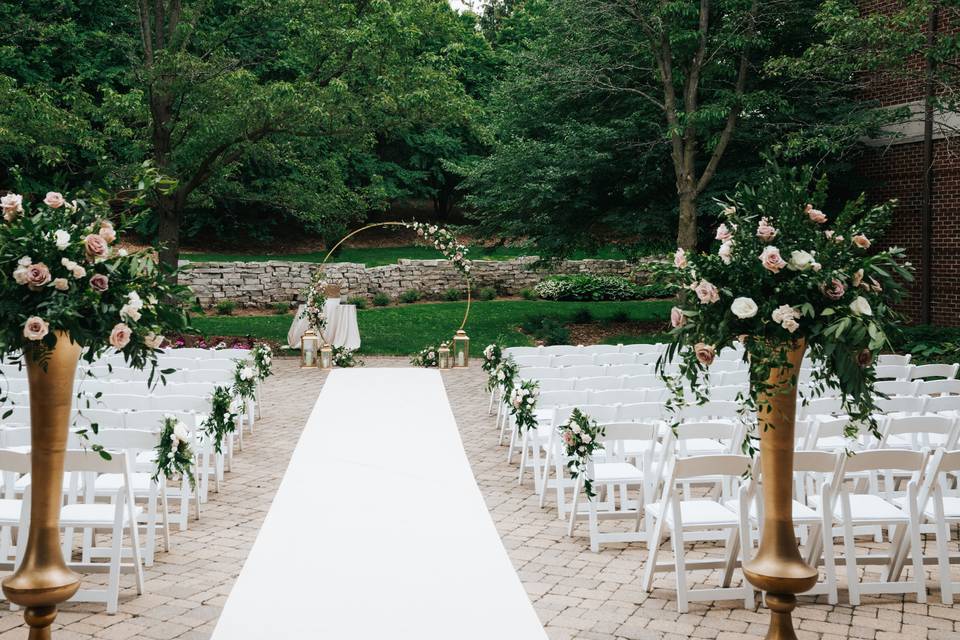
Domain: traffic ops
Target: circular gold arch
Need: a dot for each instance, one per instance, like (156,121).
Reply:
(374,225)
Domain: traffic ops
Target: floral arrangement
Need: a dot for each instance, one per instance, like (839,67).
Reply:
(579,436)
(429,356)
(492,357)
(314,299)
(223,417)
(262,360)
(346,358)
(244,380)
(174,455)
(782,271)
(506,375)
(522,403)
(444,241)
(63,272)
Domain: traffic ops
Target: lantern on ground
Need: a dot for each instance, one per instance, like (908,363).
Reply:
(461,349)
(443,357)
(309,347)
(326,357)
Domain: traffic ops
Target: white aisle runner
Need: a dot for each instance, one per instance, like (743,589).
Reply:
(378,530)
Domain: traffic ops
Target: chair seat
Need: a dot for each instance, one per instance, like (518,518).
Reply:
(147,457)
(10,510)
(140,483)
(701,446)
(91,514)
(698,513)
(867,508)
(802,514)
(951,507)
(616,472)
(24,481)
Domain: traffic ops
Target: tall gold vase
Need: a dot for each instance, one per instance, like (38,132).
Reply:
(777,568)
(43,580)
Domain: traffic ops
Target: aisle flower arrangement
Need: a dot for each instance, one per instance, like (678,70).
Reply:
(429,356)
(522,404)
(346,358)
(314,298)
(783,271)
(244,380)
(579,436)
(492,357)
(66,273)
(223,417)
(262,360)
(506,375)
(174,454)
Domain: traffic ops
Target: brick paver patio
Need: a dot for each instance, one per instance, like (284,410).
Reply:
(577,593)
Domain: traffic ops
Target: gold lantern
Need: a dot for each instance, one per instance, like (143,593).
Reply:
(326,356)
(309,346)
(443,357)
(461,349)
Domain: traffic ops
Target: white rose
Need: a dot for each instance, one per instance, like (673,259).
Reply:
(246,373)
(744,308)
(128,312)
(61,238)
(122,253)
(586,438)
(575,428)
(171,455)
(861,307)
(726,252)
(181,432)
(800,261)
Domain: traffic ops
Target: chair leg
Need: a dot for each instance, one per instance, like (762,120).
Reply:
(594,527)
(943,554)
(916,550)
(850,551)
(655,531)
(681,569)
(732,551)
(573,508)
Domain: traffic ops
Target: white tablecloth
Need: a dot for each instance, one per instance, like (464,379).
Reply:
(300,324)
(368,541)
(343,330)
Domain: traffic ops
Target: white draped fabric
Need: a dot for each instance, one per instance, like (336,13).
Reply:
(364,540)
(341,331)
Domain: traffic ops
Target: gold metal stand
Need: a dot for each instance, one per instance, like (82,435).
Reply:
(777,568)
(43,580)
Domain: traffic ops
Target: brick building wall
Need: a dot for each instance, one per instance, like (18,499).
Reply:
(895,170)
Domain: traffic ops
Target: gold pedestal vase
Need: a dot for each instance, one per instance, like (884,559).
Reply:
(777,568)
(43,580)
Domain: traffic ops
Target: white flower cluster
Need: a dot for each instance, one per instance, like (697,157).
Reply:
(445,242)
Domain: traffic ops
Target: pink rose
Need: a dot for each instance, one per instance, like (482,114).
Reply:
(828,234)
(706,292)
(35,328)
(833,289)
(705,353)
(723,233)
(120,336)
(12,204)
(765,230)
(864,358)
(107,231)
(568,438)
(96,247)
(54,200)
(677,319)
(37,276)
(726,252)
(861,241)
(772,260)
(99,282)
(680,259)
(815,214)
(61,284)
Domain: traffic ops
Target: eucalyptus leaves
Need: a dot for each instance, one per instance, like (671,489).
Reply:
(429,356)
(245,380)
(492,357)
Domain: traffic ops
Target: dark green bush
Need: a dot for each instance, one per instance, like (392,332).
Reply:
(929,343)
(225,307)
(380,299)
(281,307)
(358,301)
(587,287)
(620,316)
(487,293)
(582,316)
(528,294)
(655,290)
(452,295)
(410,295)
(548,329)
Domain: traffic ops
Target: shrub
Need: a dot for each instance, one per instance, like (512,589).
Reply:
(528,294)
(620,316)
(452,295)
(548,329)
(582,316)
(225,307)
(410,295)
(587,287)
(655,290)
(358,301)
(281,307)
(487,293)
(380,299)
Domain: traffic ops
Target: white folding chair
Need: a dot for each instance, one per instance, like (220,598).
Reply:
(677,517)
(13,464)
(575,360)
(617,396)
(560,349)
(616,358)
(893,371)
(893,359)
(923,371)
(533,361)
(940,387)
(599,384)
(897,387)
(521,351)
(602,349)
(643,348)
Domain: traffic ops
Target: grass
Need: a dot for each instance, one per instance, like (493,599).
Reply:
(405,329)
(378,256)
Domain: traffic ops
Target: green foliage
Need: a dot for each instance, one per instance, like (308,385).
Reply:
(929,344)
(528,294)
(486,293)
(587,287)
(380,299)
(225,307)
(582,316)
(358,301)
(452,295)
(410,296)
(549,330)
(281,307)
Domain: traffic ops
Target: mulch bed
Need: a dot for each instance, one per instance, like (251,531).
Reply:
(596,332)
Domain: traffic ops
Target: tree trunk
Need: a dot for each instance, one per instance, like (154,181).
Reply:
(168,230)
(687,223)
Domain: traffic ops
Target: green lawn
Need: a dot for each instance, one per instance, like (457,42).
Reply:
(377,256)
(405,329)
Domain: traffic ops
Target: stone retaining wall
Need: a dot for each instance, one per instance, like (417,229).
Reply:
(260,284)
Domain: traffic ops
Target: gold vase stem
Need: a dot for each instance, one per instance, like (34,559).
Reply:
(42,580)
(777,567)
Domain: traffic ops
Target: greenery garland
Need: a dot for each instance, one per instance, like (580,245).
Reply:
(492,357)
(174,454)
(783,271)
(262,360)
(579,436)
(314,300)
(244,380)
(223,417)
(522,403)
